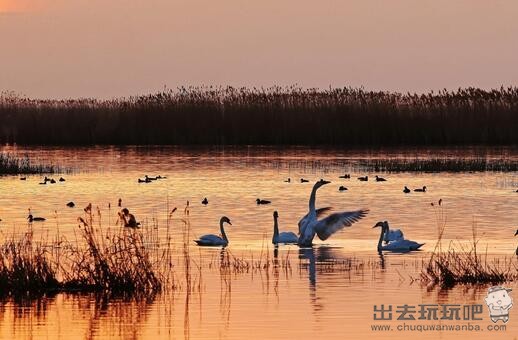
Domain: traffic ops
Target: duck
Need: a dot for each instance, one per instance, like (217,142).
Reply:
(390,234)
(61,179)
(23,178)
(212,240)
(400,245)
(406,190)
(303,180)
(35,219)
(71,204)
(52,181)
(309,225)
(380,179)
(423,189)
(284,237)
(363,178)
(288,180)
(260,201)
(205,201)
(342,188)
(346,176)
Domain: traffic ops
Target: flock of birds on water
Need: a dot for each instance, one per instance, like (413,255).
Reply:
(314,224)
(309,226)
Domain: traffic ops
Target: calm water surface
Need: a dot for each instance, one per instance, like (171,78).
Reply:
(307,300)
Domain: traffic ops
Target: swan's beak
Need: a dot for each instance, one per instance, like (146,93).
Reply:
(324,182)
(379,224)
(229,223)
(516,233)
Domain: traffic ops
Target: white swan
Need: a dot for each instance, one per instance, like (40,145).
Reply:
(309,225)
(400,245)
(212,240)
(284,237)
(390,234)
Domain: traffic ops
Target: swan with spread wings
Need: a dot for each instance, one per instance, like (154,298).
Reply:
(310,225)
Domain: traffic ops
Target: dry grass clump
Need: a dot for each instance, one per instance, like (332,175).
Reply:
(439,165)
(116,263)
(12,165)
(25,268)
(466,265)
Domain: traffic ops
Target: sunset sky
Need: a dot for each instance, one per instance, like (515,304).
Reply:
(106,48)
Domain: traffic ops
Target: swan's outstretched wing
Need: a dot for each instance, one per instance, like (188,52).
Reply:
(320,211)
(334,222)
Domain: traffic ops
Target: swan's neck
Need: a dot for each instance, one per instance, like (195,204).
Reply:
(383,231)
(222,231)
(275,228)
(312,199)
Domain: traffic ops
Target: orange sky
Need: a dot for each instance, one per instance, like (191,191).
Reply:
(59,48)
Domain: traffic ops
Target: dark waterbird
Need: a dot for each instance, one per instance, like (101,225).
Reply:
(205,201)
(61,179)
(288,180)
(406,190)
(260,201)
(363,178)
(52,181)
(380,179)
(423,189)
(346,176)
(71,204)
(303,180)
(23,178)
(35,219)
(342,188)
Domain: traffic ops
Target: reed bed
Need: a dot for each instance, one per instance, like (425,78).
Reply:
(465,265)
(439,165)
(274,116)
(12,165)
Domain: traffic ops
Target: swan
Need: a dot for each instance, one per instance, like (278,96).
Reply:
(324,228)
(284,237)
(363,179)
(420,190)
(211,240)
(35,219)
(342,188)
(260,201)
(205,201)
(406,190)
(390,234)
(380,179)
(400,245)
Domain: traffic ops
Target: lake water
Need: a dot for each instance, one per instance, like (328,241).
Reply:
(307,300)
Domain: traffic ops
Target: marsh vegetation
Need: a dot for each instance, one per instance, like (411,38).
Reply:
(273,116)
